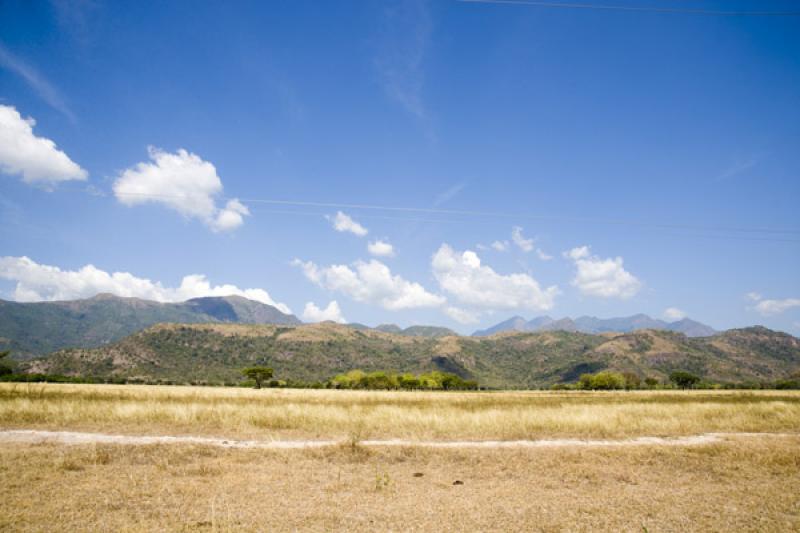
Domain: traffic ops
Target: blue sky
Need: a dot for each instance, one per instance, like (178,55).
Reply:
(650,160)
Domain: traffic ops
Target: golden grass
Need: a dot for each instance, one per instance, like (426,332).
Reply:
(277,413)
(747,485)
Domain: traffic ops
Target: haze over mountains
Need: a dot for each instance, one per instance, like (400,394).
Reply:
(37,328)
(590,324)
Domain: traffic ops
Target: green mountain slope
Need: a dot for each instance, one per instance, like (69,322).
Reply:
(216,352)
(31,329)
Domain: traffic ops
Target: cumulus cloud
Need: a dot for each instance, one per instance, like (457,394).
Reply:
(673,313)
(312,313)
(605,278)
(231,216)
(343,222)
(37,282)
(462,316)
(542,255)
(774,307)
(34,158)
(381,248)
(370,282)
(183,182)
(500,246)
(462,275)
(526,245)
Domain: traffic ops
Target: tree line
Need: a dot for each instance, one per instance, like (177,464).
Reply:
(678,379)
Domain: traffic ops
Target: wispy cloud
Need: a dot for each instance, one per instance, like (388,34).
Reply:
(37,82)
(74,16)
(449,194)
(405,34)
(738,167)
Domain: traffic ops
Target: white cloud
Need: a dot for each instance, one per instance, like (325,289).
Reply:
(181,181)
(500,246)
(371,282)
(673,313)
(526,245)
(231,216)
(605,278)
(463,276)
(34,158)
(381,248)
(776,307)
(36,282)
(312,313)
(542,255)
(460,315)
(753,296)
(343,222)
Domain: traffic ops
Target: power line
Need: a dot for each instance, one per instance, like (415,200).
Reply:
(489,214)
(602,7)
(453,221)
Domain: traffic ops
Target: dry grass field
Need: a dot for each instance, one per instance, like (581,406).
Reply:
(738,483)
(289,414)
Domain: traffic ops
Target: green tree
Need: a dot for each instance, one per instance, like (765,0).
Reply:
(585,382)
(651,383)
(5,368)
(683,379)
(607,380)
(259,374)
(632,381)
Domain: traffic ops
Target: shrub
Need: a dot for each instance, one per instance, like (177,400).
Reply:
(683,379)
(605,380)
(632,381)
(608,380)
(5,369)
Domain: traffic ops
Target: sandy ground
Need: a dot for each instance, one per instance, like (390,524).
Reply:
(73,437)
(735,483)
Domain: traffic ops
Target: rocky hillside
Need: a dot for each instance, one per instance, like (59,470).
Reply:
(216,352)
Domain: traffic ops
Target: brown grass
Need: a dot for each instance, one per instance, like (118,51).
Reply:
(283,414)
(747,485)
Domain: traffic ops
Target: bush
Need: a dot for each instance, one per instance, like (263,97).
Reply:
(605,380)
(683,379)
(5,369)
(358,379)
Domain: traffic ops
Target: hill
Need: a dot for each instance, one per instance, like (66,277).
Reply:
(414,331)
(590,324)
(217,352)
(31,329)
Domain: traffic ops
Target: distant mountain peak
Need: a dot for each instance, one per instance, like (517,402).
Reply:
(29,329)
(594,325)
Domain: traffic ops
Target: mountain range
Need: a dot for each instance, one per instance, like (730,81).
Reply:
(31,329)
(210,339)
(590,324)
(216,353)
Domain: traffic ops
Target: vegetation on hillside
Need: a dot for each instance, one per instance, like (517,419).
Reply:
(215,353)
(37,328)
